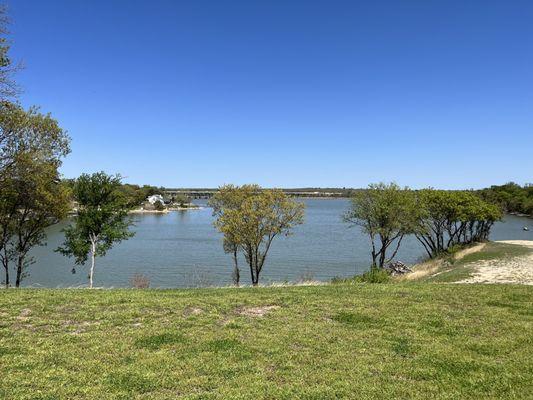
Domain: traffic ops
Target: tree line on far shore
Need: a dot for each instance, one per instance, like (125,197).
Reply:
(511,197)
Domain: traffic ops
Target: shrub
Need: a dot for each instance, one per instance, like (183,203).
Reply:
(159,206)
(140,281)
(374,275)
(181,200)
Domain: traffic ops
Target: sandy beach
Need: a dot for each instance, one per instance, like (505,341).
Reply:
(518,270)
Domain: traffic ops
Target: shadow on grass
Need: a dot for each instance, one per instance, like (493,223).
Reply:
(156,342)
(355,319)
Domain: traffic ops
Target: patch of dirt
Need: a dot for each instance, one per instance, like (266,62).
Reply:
(24,314)
(260,311)
(517,270)
(192,311)
(438,266)
(79,327)
(474,249)
(428,268)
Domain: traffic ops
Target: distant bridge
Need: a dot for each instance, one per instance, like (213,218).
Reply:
(208,193)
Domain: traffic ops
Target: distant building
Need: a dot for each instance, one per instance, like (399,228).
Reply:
(155,198)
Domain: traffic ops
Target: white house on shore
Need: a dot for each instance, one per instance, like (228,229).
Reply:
(155,198)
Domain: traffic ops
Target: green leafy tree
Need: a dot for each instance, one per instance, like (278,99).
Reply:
(450,218)
(102,219)
(511,197)
(231,197)
(386,213)
(437,209)
(32,146)
(29,132)
(8,210)
(38,201)
(181,200)
(251,218)
(136,195)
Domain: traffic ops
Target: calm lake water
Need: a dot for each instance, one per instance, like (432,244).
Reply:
(182,249)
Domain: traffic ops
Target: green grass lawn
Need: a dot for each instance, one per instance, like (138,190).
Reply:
(356,341)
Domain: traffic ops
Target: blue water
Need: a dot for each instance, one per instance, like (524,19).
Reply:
(182,249)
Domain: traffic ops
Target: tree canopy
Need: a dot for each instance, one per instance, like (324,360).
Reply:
(30,132)
(101,221)
(32,146)
(449,218)
(386,213)
(251,218)
(511,197)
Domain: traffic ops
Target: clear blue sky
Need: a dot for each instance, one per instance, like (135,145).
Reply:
(285,93)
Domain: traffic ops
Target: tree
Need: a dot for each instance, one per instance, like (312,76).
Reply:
(31,196)
(231,197)
(260,217)
(386,213)
(31,148)
(511,197)
(136,195)
(449,218)
(38,201)
(8,208)
(437,208)
(181,200)
(29,132)
(101,221)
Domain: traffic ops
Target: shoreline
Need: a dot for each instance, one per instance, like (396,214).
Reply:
(165,211)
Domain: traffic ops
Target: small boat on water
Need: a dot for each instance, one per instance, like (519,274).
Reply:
(526,228)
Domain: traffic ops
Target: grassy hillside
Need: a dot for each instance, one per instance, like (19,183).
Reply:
(407,340)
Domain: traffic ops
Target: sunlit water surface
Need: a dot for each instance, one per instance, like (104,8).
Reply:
(182,249)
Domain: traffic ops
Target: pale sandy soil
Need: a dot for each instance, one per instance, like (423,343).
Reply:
(431,267)
(165,211)
(513,270)
(143,211)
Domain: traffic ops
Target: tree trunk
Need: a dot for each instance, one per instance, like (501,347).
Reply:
(251,271)
(255,275)
(236,272)
(374,258)
(396,250)
(93,255)
(382,258)
(20,264)
(255,278)
(374,254)
(382,252)
(6,267)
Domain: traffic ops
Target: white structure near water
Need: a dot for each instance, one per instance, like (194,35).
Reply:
(155,198)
